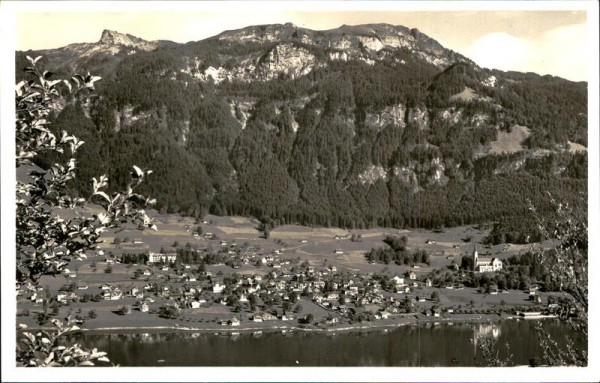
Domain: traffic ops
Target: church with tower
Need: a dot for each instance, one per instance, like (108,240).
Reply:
(485,264)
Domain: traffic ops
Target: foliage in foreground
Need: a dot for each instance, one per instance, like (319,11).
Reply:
(45,349)
(567,267)
(567,264)
(46,242)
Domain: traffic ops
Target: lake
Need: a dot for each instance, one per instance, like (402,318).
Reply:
(414,346)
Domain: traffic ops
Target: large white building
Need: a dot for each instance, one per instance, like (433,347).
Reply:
(157,257)
(485,264)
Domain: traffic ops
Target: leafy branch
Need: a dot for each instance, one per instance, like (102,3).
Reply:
(47,242)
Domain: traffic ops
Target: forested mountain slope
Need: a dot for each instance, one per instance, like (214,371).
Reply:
(357,126)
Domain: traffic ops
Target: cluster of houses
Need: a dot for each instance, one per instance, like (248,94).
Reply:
(280,280)
(336,292)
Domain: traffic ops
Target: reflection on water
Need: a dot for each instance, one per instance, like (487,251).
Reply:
(484,330)
(427,346)
(487,330)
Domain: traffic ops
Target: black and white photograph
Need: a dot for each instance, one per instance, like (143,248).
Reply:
(291,191)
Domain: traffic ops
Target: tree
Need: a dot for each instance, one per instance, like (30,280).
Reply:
(46,242)
(567,267)
(124,310)
(488,347)
(467,263)
(168,312)
(566,264)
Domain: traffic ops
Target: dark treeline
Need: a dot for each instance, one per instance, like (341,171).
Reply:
(131,258)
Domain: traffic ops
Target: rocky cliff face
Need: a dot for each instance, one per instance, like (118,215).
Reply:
(292,56)
(100,57)
(111,38)
(395,114)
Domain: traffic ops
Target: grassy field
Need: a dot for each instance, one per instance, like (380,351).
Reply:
(316,245)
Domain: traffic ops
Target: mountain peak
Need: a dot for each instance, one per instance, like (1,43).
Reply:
(116,38)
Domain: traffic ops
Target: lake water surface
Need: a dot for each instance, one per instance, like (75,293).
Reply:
(415,346)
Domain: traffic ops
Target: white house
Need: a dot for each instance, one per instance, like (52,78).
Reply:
(116,294)
(218,288)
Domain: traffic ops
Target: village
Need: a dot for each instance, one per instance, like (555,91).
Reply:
(228,276)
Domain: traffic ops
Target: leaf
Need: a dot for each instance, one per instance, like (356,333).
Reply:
(86,363)
(138,172)
(90,80)
(103,195)
(68,84)
(29,336)
(33,61)
(104,218)
(49,358)
(19,88)
(96,354)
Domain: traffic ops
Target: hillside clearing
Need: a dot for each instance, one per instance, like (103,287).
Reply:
(507,142)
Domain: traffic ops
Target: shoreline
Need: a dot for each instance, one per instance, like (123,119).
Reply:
(373,326)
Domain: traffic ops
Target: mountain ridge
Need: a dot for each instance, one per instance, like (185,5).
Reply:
(356,126)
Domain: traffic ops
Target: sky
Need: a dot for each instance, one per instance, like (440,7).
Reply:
(545,42)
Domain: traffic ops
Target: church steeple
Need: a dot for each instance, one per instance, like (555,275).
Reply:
(475,256)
